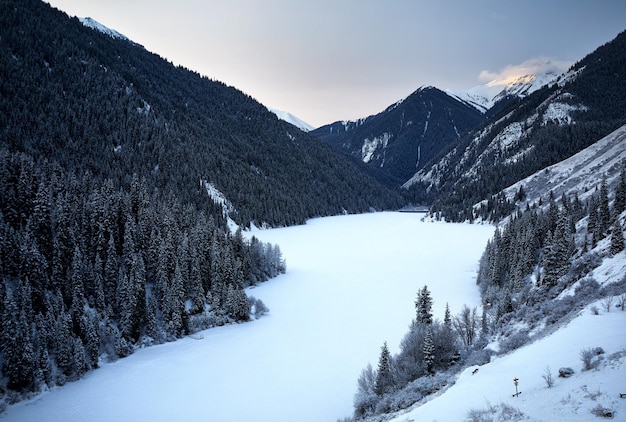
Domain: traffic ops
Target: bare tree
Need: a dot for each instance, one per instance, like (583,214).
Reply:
(547,376)
(466,325)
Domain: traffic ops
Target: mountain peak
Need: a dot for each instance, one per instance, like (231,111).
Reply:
(483,97)
(290,118)
(94,24)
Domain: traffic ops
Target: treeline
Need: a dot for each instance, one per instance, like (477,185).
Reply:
(538,254)
(89,272)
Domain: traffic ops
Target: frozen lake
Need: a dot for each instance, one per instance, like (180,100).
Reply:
(350,285)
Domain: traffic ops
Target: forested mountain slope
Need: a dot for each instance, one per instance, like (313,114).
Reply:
(396,142)
(553,123)
(114,168)
(93,102)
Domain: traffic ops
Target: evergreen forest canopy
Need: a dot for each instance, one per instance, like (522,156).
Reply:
(109,240)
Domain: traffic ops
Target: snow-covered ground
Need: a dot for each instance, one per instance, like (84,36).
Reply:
(350,285)
(570,399)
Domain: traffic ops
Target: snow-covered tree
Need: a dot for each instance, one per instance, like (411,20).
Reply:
(429,351)
(617,237)
(365,398)
(384,374)
(424,306)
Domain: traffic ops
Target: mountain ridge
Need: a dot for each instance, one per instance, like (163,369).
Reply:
(404,136)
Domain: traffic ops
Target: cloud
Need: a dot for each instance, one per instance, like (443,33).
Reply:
(536,65)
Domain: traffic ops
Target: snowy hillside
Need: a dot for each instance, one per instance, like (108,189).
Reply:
(578,174)
(487,395)
(290,118)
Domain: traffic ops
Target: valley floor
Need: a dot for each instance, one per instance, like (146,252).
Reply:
(350,285)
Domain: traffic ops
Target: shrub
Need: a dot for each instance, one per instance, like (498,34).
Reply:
(257,307)
(514,341)
(547,376)
(591,358)
(607,303)
(602,412)
(588,288)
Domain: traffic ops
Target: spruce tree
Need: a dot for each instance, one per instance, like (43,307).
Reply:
(619,203)
(617,237)
(429,351)
(423,306)
(384,375)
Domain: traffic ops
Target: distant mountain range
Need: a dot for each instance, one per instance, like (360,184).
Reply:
(549,125)
(404,137)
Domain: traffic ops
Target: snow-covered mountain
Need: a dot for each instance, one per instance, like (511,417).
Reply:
(550,124)
(290,118)
(484,97)
(406,135)
(94,24)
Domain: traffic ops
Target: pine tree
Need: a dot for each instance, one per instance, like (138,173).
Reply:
(604,214)
(384,375)
(429,351)
(617,237)
(423,306)
(619,203)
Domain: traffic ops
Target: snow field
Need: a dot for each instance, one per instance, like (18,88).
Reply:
(350,285)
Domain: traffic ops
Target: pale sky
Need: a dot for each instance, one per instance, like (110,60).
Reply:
(329,60)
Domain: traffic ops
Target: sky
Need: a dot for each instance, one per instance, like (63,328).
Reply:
(329,60)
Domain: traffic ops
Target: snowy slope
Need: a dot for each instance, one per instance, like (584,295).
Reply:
(570,399)
(580,173)
(94,24)
(290,118)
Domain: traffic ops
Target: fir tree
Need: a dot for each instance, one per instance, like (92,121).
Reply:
(617,237)
(429,352)
(384,374)
(423,306)
(619,203)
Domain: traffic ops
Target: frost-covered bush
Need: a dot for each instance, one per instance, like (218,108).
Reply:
(412,393)
(587,289)
(502,412)
(257,307)
(478,357)
(591,358)
(547,377)
(584,265)
(514,341)
(603,412)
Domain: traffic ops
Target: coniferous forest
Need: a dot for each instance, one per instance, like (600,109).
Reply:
(109,238)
